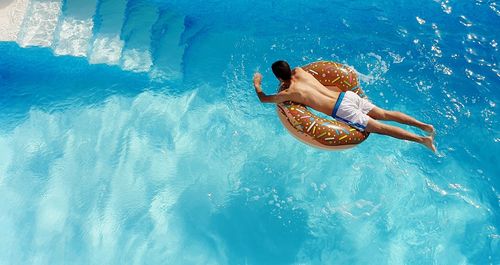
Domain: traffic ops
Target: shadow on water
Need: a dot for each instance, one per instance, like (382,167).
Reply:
(252,233)
(254,223)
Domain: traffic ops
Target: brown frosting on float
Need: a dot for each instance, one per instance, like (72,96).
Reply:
(317,131)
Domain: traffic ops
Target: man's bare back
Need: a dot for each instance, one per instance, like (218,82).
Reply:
(301,87)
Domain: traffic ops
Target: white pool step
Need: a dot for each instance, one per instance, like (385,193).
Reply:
(107,45)
(11,17)
(135,35)
(40,22)
(136,30)
(75,32)
(168,50)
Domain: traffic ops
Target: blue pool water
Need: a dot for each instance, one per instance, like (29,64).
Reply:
(136,137)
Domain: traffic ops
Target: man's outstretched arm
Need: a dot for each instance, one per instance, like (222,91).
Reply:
(278,98)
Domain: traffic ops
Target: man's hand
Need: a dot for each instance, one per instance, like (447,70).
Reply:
(257,80)
(280,97)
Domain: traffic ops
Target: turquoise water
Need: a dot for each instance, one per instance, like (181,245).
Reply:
(159,152)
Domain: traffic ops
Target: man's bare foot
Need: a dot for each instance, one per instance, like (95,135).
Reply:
(429,129)
(429,142)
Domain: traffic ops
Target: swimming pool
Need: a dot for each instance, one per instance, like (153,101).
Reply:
(131,134)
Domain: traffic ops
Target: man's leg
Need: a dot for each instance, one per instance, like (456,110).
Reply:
(396,132)
(381,114)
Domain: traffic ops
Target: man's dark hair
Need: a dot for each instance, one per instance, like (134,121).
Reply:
(282,70)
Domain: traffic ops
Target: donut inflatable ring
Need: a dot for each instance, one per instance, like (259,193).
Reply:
(323,133)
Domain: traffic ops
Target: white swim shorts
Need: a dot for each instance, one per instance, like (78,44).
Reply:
(352,109)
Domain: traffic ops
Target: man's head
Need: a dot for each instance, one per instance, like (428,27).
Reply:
(282,70)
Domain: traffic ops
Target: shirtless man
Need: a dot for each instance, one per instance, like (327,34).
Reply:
(301,87)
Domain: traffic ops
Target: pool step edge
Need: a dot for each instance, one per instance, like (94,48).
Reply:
(11,18)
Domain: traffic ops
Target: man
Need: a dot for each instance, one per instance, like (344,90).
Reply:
(301,87)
